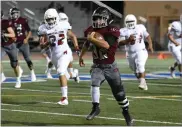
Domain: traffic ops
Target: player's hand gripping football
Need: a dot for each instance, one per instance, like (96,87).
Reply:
(90,36)
(81,62)
(131,40)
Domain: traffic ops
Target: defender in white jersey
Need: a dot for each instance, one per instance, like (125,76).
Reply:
(174,45)
(74,73)
(132,36)
(54,34)
(46,53)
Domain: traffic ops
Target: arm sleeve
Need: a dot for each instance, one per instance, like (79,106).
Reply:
(68,26)
(122,35)
(40,31)
(171,31)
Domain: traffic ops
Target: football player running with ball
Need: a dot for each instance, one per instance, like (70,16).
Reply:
(132,36)
(102,37)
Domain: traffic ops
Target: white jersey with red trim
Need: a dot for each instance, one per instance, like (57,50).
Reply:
(140,34)
(57,36)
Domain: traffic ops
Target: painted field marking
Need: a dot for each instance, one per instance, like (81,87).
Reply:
(100,117)
(10,104)
(155,84)
(164,97)
(82,100)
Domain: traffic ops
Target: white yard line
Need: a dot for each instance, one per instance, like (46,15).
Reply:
(81,100)
(162,97)
(155,84)
(9,104)
(76,115)
(20,61)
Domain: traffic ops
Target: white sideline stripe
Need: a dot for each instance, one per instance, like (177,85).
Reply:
(9,104)
(108,118)
(112,99)
(20,61)
(81,100)
(154,84)
(47,102)
(154,98)
(100,94)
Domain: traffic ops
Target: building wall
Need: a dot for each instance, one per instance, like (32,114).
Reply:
(158,14)
(163,8)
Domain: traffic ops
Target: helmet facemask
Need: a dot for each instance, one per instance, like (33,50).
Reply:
(99,21)
(130,24)
(15,14)
(51,22)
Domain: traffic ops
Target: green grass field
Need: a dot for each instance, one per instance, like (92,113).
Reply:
(34,104)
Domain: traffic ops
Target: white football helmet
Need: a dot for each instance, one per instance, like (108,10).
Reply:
(176,25)
(51,17)
(63,17)
(130,21)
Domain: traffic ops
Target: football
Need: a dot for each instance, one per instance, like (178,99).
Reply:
(98,36)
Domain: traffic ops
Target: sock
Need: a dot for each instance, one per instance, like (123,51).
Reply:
(48,59)
(73,74)
(142,80)
(49,70)
(32,71)
(2,75)
(17,78)
(95,92)
(64,91)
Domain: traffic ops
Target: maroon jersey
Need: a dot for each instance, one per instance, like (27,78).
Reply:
(4,26)
(101,55)
(20,27)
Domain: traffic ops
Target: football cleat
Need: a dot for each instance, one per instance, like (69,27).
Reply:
(172,72)
(95,111)
(63,101)
(33,77)
(18,84)
(128,119)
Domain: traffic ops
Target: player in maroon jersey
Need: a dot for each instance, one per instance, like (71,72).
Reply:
(8,46)
(104,66)
(23,33)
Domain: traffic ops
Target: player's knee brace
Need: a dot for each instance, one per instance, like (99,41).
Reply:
(50,65)
(119,96)
(14,64)
(30,64)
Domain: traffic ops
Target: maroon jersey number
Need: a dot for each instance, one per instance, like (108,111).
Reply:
(52,39)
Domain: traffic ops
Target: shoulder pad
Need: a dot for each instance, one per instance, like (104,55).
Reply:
(141,26)
(41,30)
